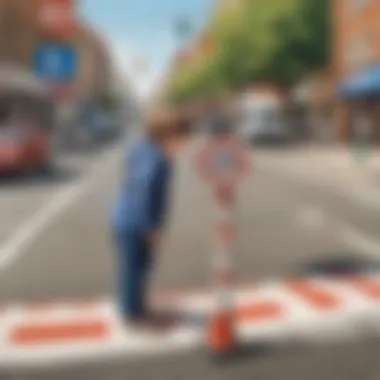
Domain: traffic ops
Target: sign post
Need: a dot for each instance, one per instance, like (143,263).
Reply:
(55,64)
(223,162)
(54,57)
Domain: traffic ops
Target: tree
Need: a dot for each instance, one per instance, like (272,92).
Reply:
(255,41)
(301,42)
(316,16)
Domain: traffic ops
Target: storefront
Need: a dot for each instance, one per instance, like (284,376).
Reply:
(23,95)
(312,108)
(360,98)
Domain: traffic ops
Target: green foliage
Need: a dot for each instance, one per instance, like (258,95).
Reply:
(305,41)
(272,40)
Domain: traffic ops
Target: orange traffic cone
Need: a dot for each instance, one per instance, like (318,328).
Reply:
(220,337)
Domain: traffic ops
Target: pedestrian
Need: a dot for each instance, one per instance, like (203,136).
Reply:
(140,208)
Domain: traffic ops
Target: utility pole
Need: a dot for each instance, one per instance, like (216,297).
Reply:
(183,28)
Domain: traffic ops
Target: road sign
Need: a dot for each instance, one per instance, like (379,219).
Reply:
(56,17)
(223,161)
(55,62)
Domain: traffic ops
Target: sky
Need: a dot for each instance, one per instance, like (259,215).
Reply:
(143,30)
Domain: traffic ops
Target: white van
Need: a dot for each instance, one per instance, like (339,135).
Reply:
(260,120)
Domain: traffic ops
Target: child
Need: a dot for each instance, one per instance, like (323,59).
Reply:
(141,205)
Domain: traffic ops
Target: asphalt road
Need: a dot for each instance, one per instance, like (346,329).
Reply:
(55,245)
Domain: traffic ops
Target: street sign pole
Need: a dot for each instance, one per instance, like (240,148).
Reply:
(54,57)
(220,337)
(223,162)
(183,29)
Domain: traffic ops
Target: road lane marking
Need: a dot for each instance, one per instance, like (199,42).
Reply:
(365,195)
(264,310)
(360,241)
(312,216)
(27,232)
(320,299)
(367,286)
(94,329)
(351,236)
(307,309)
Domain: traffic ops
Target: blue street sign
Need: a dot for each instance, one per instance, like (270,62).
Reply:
(55,62)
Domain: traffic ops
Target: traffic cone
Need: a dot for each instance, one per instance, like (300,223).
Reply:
(220,337)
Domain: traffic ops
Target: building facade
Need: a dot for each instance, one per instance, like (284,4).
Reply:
(20,31)
(356,67)
(94,73)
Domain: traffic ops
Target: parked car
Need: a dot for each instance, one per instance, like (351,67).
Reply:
(27,121)
(79,130)
(23,149)
(93,127)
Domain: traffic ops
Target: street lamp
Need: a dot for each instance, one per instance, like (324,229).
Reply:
(183,28)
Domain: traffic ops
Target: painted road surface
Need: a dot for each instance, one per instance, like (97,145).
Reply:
(57,278)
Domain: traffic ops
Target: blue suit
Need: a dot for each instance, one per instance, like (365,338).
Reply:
(140,207)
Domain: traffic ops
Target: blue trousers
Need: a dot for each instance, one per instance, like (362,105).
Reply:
(133,260)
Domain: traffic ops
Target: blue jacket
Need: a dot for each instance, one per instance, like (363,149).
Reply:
(140,204)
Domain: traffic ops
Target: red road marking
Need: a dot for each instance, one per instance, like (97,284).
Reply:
(27,334)
(259,311)
(317,297)
(366,286)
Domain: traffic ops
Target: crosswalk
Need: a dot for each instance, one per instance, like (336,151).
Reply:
(291,310)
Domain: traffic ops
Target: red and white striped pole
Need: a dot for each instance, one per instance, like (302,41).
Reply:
(220,334)
(223,162)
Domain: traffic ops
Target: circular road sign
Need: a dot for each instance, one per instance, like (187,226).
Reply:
(223,161)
